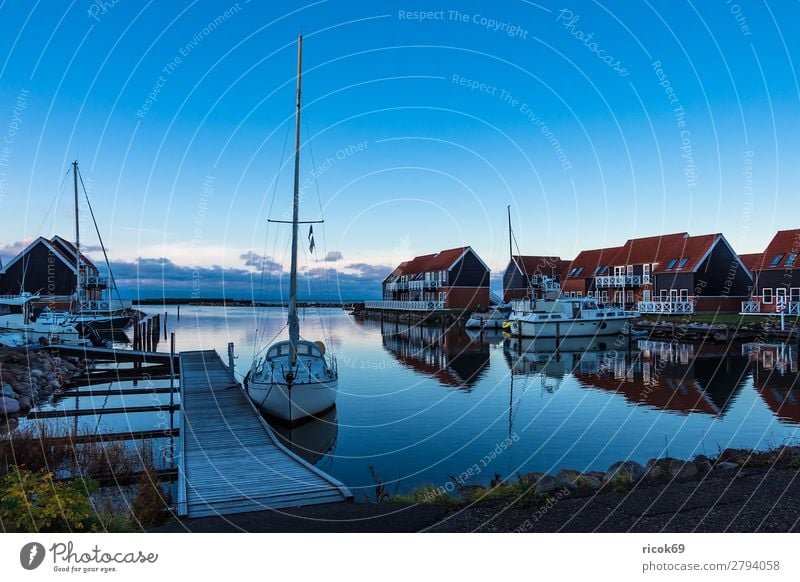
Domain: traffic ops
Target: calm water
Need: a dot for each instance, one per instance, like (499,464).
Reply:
(421,405)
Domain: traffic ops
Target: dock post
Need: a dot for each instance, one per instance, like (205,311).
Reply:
(165,326)
(179,312)
(231,359)
(172,371)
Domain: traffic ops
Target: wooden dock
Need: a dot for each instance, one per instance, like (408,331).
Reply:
(228,459)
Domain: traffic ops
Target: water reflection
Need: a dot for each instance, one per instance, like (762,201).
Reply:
(311,440)
(663,375)
(452,356)
(775,376)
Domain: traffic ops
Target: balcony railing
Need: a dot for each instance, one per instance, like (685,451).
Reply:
(93,281)
(666,307)
(618,281)
(757,306)
(106,305)
(405,305)
(416,285)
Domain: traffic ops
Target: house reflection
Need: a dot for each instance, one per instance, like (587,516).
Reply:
(775,377)
(452,356)
(679,378)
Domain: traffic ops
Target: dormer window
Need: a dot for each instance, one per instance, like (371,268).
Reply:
(790,259)
(671,263)
(683,262)
(579,271)
(776,261)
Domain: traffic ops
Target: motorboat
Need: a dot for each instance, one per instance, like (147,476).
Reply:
(19,327)
(554,316)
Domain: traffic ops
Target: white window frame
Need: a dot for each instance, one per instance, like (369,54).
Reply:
(794,294)
(766,295)
(663,295)
(646,270)
(604,296)
(673,295)
(629,270)
(578,294)
(630,298)
(646,295)
(684,294)
(780,295)
(619,271)
(442,296)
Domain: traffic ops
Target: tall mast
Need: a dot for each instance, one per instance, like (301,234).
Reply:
(294,321)
(510,247)
(77,236)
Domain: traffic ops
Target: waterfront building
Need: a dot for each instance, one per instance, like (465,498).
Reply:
(450,279)
(524,273)
(776,276)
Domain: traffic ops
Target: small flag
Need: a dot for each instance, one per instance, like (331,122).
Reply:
(311,244)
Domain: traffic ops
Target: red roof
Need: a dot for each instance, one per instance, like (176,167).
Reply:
(662,249)
(590,260)
(440,261)
(63,244)
(786,243)
(751,260)
(533,264)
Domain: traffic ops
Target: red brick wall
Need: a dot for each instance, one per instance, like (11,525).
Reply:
(466,297)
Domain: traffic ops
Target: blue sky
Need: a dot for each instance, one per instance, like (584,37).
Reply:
(595,121)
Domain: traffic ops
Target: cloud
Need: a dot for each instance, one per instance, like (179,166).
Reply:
(261,262)
(160,277)
(8,252)
(367,270)
(333,256)
(91,248)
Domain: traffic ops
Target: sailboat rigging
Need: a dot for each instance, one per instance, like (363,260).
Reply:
(296,378)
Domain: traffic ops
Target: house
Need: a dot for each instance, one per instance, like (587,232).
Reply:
(673,273)
(48,267)
(524,273)
(578,281)
(776,276)
(450,279)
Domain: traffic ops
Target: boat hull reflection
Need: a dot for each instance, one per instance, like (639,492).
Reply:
(312,439)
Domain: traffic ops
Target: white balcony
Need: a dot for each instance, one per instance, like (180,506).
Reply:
(758,307)
(751,307)
(106,305)
(405,305)
(416,285)
(618,281)
(665,307)
(93,281)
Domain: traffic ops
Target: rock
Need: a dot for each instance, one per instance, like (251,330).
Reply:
(24,404)
(703,463)
(531,478)
(8,391)
(550,483)
(36,374)
(8,406)
(467,492)
(684,470)
(738,456)
(570,475)
(726,466)
(656,473)
(631,469)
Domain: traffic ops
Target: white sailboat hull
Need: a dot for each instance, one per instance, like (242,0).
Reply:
(293,403)
(568,328)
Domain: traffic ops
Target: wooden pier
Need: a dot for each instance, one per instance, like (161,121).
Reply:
(228,459)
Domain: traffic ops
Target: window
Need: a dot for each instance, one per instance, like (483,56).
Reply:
(629,270)
(597,270)
(780,295)
(646,274)
(673,294)
(630,296)
(619,271)
(766,295)
(794,294)
(776,260)
(790,259)
(672,263)
(646,295)
(578,294)
(590,293)
(605,270)
(684,295)
(663,295)
(683,262)
(579,271)
(442,296)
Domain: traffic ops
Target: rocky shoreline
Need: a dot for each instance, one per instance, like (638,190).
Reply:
(27,378)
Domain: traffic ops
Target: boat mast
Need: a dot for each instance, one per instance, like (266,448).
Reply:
(293,320)
(77,236)
(510,246)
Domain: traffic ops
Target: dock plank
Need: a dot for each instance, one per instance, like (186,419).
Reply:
(229,460)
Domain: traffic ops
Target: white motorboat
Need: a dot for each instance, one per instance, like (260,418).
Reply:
(18,327)
(553,316)
(294,379)
(492,319)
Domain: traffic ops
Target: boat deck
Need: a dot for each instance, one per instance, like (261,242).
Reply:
(229,461)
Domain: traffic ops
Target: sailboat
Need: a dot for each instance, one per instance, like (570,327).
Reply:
(295,379)
(90,308)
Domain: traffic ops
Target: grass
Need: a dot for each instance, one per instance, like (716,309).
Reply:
(733,319)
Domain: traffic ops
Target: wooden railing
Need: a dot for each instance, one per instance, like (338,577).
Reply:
(405,305)
(665,306)
(618,281)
